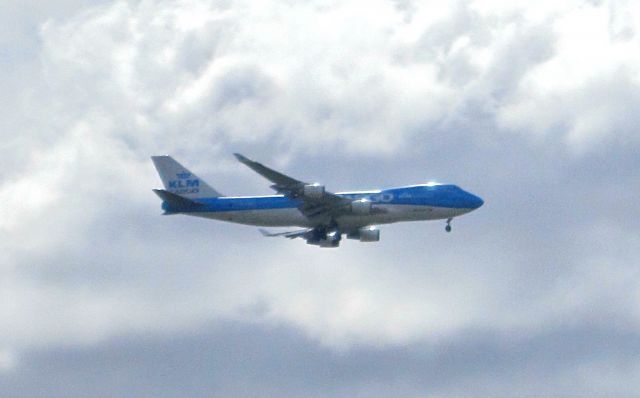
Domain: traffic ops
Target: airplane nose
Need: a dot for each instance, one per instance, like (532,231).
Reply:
(477,201)
(474,201)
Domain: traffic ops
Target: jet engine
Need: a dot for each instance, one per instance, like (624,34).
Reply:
(313,191)
(324,239)
(332,240)
(366,234)
(361,207)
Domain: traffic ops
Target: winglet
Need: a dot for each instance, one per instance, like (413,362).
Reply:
(242,158)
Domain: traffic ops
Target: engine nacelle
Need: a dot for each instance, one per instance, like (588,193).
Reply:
(366,234)
(327,243)
(313,191)
(361,207)
(332,239)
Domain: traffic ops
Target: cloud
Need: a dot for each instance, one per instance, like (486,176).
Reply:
(519,102)
(586,90)
(7,361)
(236,359)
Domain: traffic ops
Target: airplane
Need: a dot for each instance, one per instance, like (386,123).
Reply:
(323,215)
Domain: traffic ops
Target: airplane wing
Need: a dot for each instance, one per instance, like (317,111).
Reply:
(327,204)
(301,233)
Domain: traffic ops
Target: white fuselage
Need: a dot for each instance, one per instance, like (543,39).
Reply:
(293,217)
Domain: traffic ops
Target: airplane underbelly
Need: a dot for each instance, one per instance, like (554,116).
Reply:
(292,217)
(419,213)
(428,212)
(262,218)
(397,213)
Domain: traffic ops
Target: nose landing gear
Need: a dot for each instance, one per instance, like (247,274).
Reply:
(448,227)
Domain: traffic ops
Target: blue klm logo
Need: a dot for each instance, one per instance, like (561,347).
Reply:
(183,185)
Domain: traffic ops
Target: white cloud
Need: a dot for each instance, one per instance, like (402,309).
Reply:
(586,91)
(125,80)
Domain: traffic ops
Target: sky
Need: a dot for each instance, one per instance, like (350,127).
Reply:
(530,105)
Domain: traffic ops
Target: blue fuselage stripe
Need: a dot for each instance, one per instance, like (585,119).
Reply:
(444,196)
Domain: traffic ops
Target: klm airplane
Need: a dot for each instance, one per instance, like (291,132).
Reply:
(325,216)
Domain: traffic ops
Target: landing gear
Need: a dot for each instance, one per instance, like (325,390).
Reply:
(448,227)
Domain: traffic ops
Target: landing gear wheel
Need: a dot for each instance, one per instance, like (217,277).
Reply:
(448,227)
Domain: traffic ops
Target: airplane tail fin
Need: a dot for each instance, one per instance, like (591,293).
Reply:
(178,180)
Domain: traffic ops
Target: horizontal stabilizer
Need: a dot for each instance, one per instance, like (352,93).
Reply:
(176,203)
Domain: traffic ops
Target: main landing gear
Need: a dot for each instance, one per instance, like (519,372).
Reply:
(448,227)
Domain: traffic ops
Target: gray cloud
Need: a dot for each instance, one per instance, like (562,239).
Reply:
(235,359)
(533,294)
